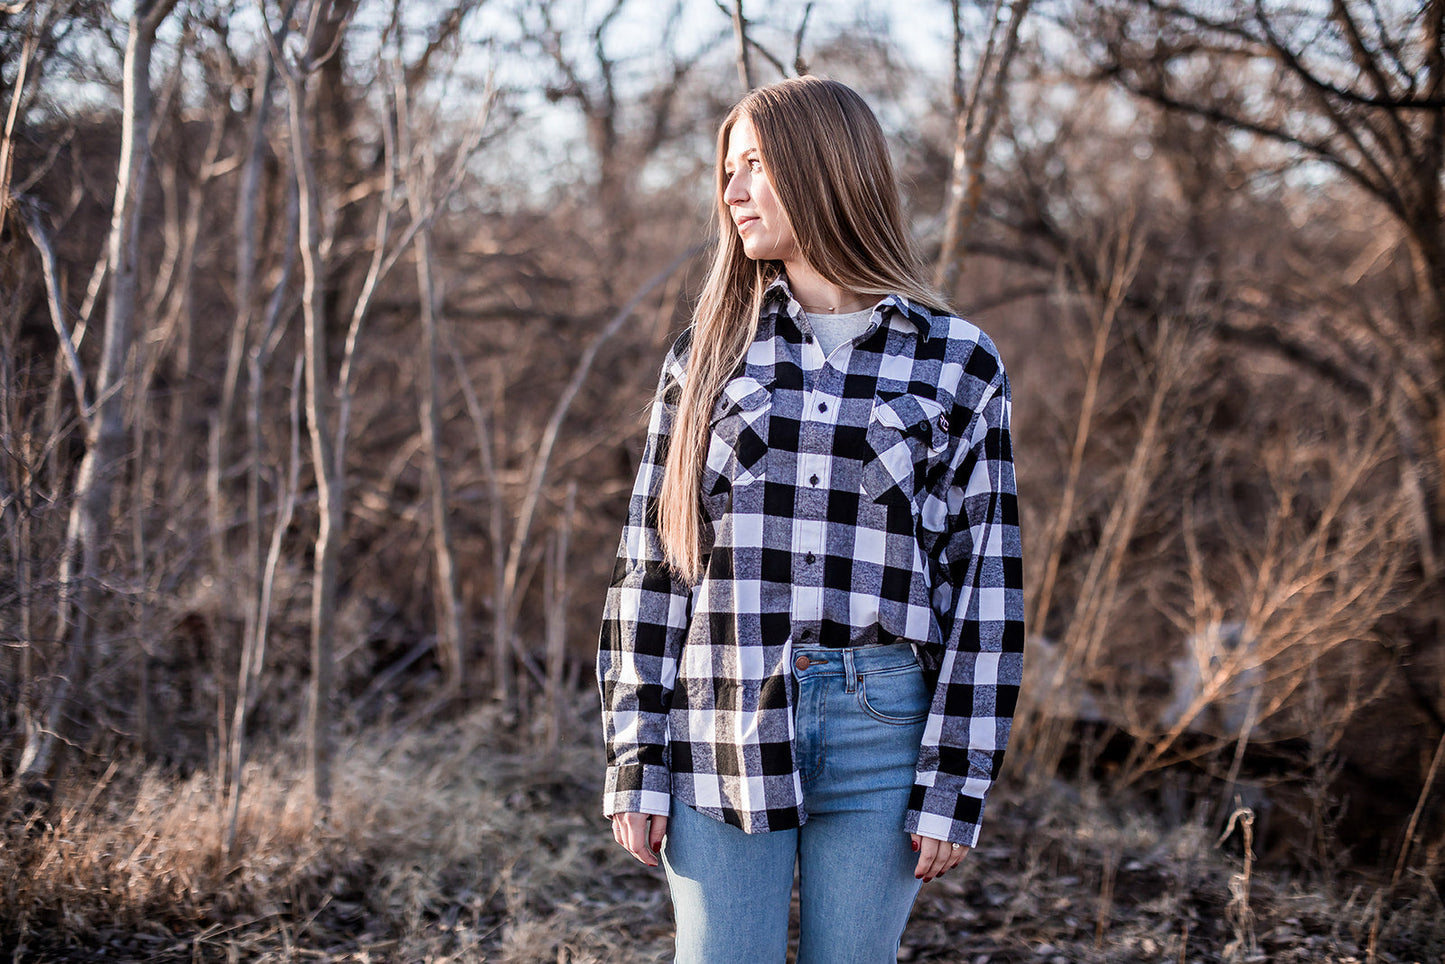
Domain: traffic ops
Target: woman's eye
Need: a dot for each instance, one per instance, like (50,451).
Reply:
(755,165)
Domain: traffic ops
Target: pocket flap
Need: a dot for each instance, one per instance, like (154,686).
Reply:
(914,415)
(742,394)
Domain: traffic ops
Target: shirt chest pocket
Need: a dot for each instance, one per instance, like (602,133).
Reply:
(738,435)
(910,448)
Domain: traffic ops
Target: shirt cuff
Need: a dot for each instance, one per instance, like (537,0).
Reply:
(946,811)
(637,788)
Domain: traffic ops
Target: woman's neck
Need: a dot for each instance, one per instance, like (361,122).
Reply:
(819,295)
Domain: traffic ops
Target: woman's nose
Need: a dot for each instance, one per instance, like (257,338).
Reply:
(735,191)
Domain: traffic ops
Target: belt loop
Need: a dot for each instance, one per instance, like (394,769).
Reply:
(850,672)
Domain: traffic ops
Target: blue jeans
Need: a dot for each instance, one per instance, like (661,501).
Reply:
(860,715)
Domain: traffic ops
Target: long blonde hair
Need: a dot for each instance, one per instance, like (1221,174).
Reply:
(826,158)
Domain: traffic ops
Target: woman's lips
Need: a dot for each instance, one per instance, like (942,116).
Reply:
(744,222)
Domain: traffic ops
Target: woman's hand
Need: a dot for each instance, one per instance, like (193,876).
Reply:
(934,856)
(640,834)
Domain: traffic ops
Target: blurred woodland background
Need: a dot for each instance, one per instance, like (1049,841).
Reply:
(328,330)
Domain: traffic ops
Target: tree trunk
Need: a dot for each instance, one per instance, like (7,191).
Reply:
(248,194)
(329,485)
(972,134)
(444,593)
(105,435)
(740,36)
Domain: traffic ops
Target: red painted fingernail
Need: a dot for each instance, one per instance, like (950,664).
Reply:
(915,846)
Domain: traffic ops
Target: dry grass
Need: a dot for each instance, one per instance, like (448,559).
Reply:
(452,844)
(464,843)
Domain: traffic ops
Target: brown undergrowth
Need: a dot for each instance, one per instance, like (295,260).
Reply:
(464,841)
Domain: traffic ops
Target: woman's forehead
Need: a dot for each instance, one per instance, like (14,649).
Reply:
(741,139)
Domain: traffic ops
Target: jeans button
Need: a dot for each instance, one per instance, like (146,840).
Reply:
(801,662)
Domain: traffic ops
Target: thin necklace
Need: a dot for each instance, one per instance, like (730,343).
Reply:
(834,309)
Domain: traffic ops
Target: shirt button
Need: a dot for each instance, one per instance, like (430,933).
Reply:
(810,558)
(813,480)
(807,635)
(822,406)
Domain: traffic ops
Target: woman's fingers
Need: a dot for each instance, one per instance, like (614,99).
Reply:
(935,857)
(931,861)
(634,836)
(640,834)
(630,829)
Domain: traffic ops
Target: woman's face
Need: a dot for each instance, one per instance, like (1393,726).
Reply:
(755,209)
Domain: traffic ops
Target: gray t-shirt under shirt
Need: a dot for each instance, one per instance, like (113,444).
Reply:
(833,330)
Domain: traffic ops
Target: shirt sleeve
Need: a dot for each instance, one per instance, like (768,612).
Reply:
(643,624)
(983,629)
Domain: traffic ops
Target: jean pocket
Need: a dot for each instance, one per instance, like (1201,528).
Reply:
(897,696)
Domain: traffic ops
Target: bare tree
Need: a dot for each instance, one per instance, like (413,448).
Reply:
(450,634)
(248,676)
(325,34)
(977,108)
(619,143)
(248,203)
(89,528)
(422,200)
(1360,91)
(746,45)
(299,75)
(740,36)
(512,552)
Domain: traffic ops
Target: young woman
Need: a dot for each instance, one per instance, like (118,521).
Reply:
(812,644)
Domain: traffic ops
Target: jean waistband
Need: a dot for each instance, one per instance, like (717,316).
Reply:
(852,661)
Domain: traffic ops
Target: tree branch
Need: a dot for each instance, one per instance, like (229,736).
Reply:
(35,226)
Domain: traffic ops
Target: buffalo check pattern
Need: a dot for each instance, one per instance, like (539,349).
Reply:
(860,499)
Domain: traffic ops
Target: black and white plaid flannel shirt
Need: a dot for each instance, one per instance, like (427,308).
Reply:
(867,500)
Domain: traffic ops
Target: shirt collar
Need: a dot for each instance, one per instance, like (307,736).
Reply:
(908,313)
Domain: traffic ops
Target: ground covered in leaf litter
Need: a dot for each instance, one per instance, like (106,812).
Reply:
(466,842)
